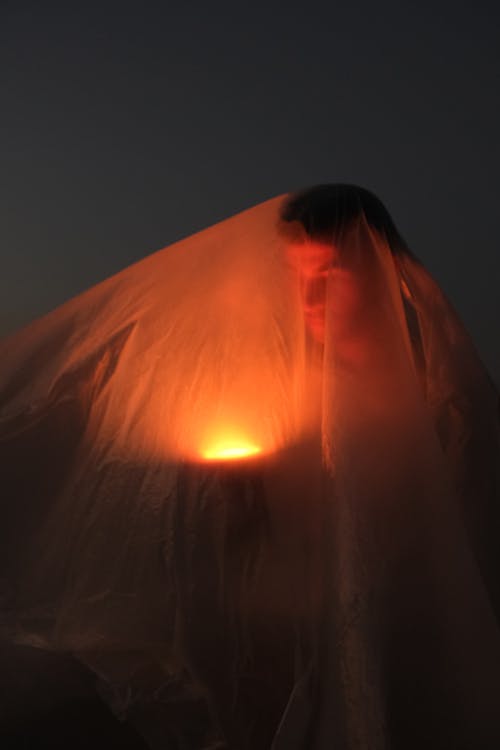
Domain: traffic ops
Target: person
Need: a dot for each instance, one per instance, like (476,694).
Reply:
(458,391)
(396,361)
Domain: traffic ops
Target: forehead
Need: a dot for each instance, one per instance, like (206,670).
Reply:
(310,256)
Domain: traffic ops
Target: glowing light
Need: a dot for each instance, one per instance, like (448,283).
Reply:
(230,452)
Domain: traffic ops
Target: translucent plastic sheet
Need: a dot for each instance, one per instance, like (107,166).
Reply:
(254,487)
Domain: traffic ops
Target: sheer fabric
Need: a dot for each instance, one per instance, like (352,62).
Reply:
(260,526)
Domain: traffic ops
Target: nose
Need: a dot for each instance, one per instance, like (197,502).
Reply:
(313,292)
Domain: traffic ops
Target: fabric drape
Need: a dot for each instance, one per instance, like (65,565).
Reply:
(255,535)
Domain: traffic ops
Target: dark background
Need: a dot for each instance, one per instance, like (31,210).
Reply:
(125,126)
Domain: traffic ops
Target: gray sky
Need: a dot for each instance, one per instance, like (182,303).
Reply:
(125,126)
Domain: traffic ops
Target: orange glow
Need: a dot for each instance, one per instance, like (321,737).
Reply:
(230,450)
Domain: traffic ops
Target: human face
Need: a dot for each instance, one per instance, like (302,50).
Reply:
(312,261)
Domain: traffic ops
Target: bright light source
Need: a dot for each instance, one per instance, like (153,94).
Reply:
(225,452)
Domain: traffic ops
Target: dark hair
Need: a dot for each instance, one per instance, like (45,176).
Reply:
(324,211)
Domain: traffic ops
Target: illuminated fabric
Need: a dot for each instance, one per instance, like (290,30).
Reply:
(255,489)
